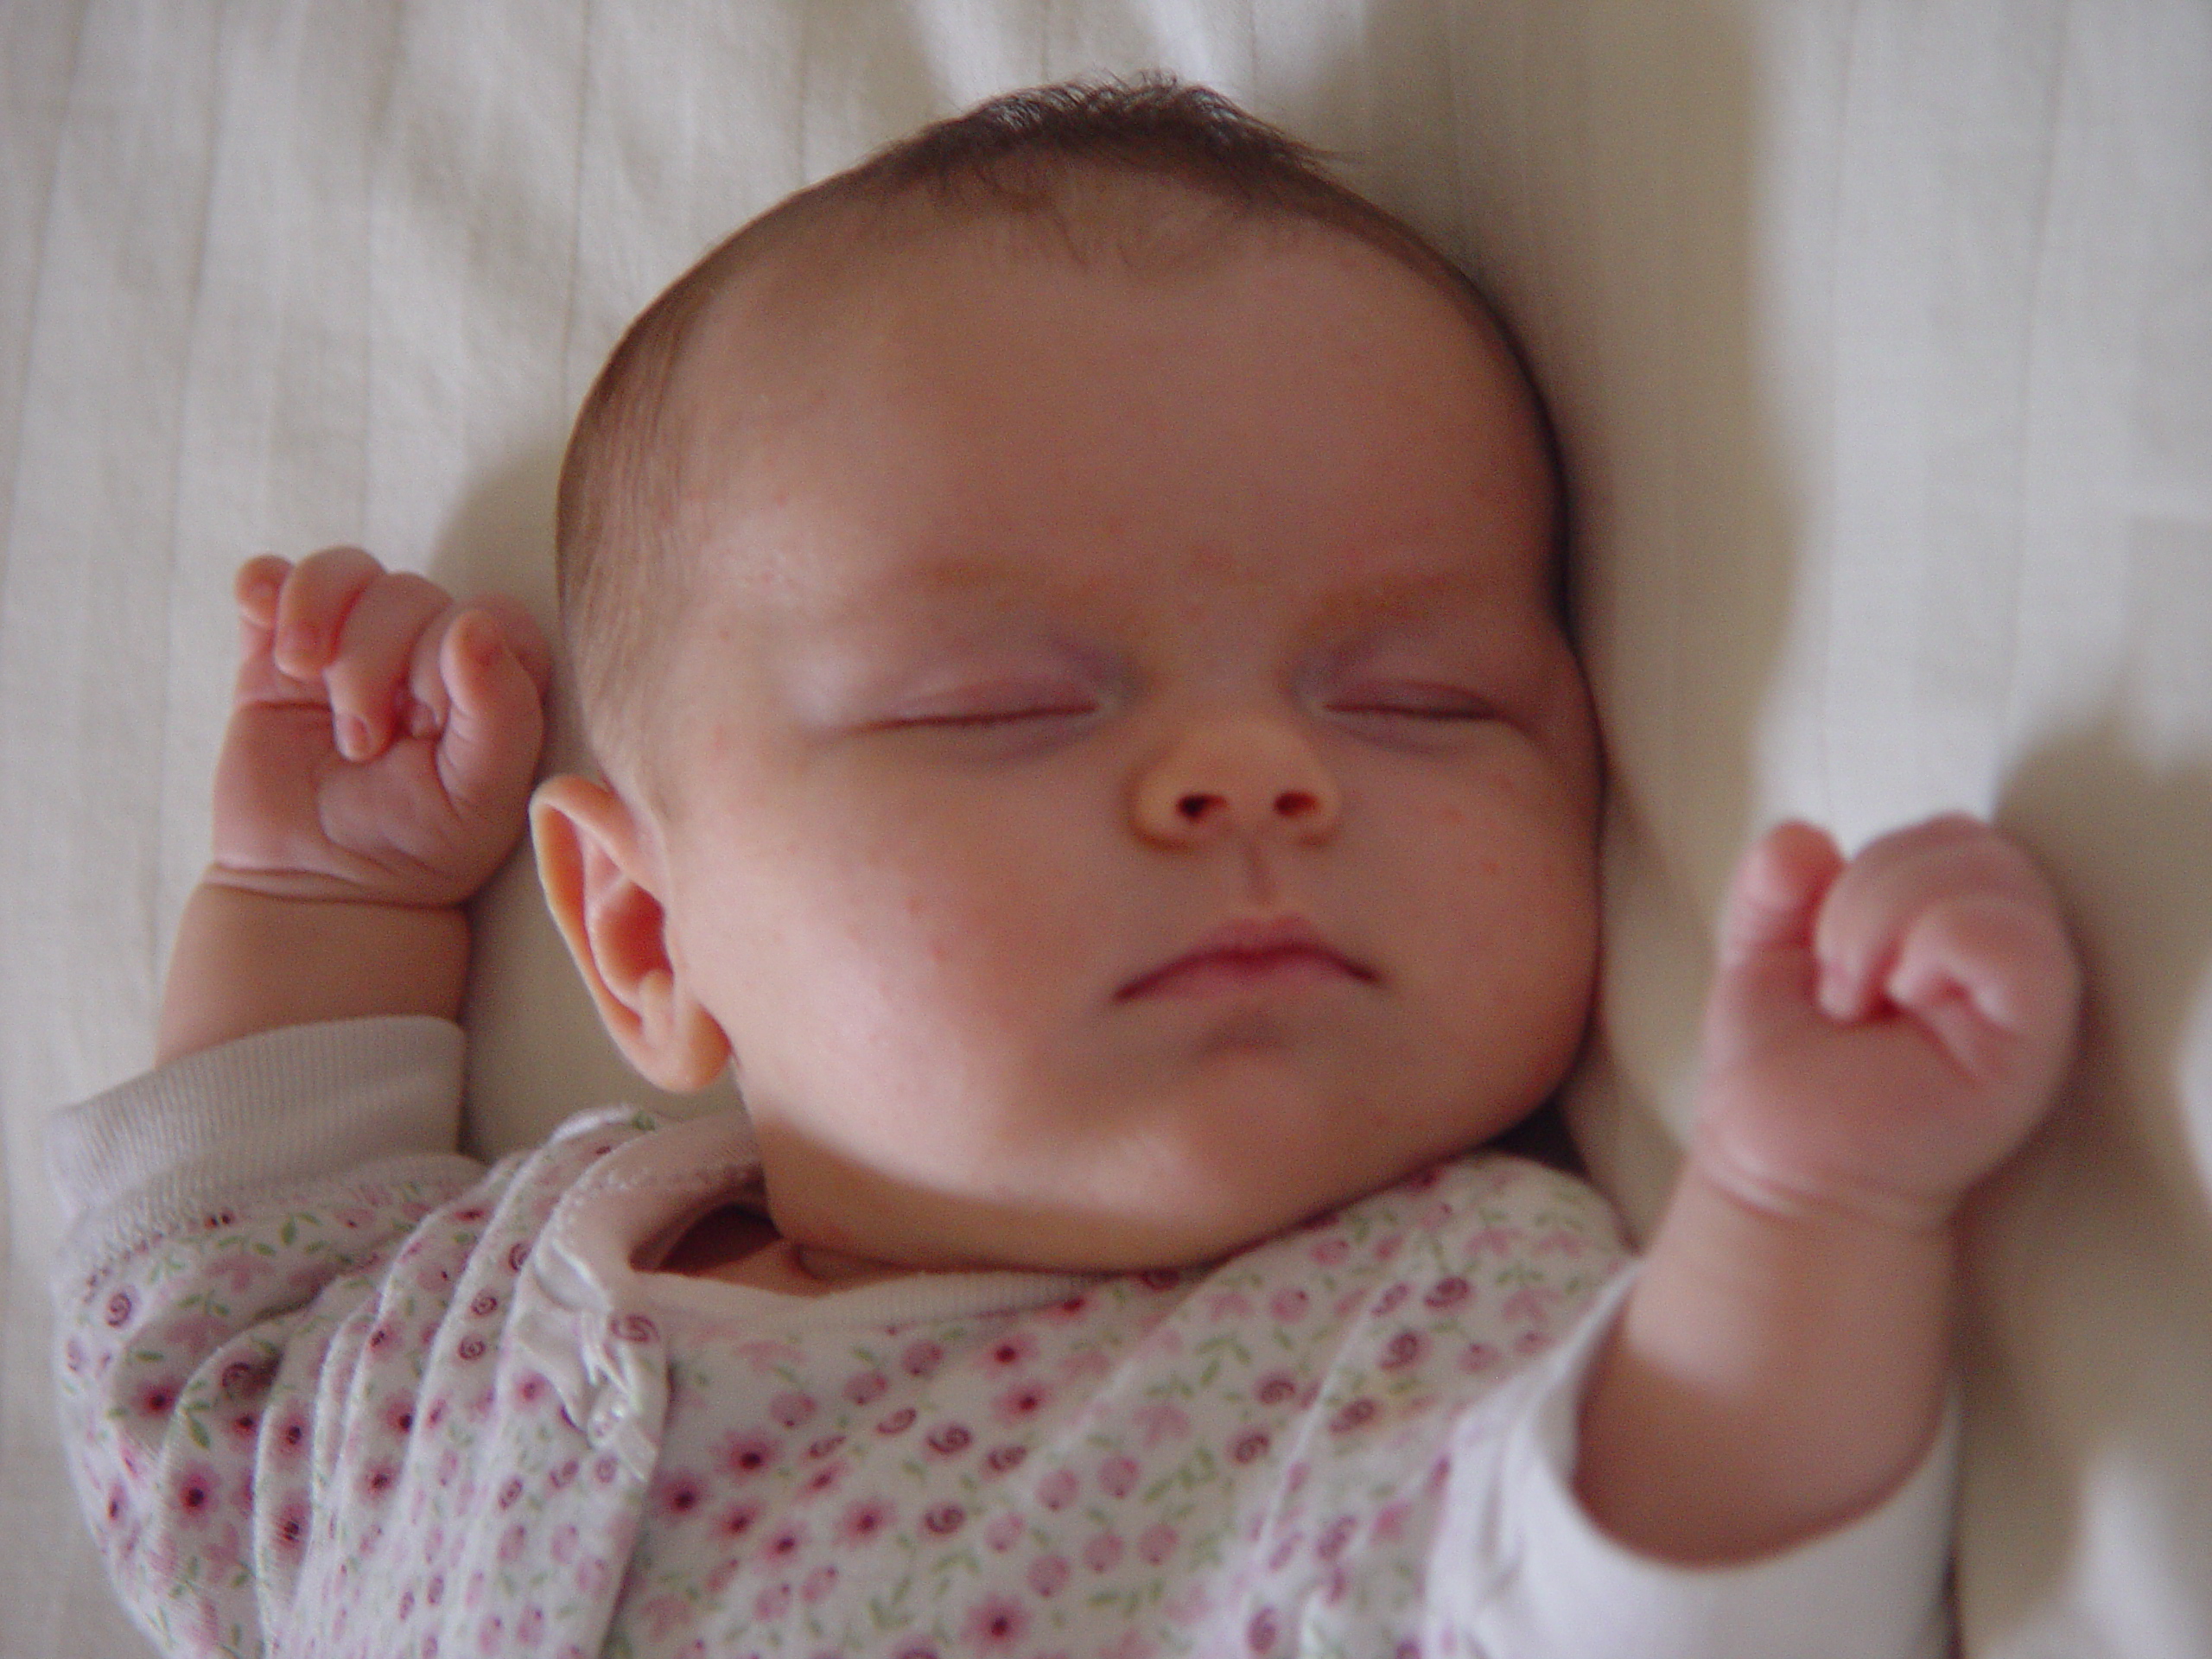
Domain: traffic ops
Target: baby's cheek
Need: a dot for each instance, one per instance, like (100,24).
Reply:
(1511,915)
(937,956)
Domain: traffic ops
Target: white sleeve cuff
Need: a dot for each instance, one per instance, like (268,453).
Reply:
(1560,1586)
(268,1110)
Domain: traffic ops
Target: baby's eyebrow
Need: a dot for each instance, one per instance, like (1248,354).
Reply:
(962,589)
(949,578)
(969,587)
(1382,599)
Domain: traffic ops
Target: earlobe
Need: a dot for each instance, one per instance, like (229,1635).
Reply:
(605,899)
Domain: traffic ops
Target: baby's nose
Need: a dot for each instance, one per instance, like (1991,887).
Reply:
(1238,774)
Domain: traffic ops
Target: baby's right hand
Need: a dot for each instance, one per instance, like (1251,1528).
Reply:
(381,738)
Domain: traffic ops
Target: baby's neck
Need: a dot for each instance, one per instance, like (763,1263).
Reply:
(739,1246)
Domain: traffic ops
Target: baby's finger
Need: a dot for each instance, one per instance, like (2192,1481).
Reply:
(256,586)
(495,718)
(367,676)
(256,589)
(523,635)
(1992,973)
(431,699)
(1885,890)
(311,609)
(1777,890)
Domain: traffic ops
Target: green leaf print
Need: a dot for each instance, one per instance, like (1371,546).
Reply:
(890,1611)
(1201,1468)
(965,1560)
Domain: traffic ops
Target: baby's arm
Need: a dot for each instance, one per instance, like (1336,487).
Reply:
(376,769)
(373,773)
(1880,1036)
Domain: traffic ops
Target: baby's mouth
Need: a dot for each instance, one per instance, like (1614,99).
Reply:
(1242,955)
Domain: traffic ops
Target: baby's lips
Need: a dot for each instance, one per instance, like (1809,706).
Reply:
(1246,949)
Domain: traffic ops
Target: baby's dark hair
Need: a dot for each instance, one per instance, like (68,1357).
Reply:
(624,572)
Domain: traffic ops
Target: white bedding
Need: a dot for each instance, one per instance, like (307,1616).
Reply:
(1882,338)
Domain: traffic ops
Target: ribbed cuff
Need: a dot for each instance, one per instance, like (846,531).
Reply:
(1875,1586)
(272,1109)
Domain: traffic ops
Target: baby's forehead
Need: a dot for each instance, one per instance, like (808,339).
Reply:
(814,318)
(838,269)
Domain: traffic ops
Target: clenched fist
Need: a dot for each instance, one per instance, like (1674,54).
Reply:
(382,739)
(1882,1032)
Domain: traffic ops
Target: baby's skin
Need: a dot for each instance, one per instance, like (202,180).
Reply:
(1881,1032)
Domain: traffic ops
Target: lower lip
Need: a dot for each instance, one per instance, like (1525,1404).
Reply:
(1229,972)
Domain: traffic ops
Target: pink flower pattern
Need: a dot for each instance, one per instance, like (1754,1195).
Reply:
(1108,1473)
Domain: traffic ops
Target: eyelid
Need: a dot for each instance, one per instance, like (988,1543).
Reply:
(994,717)
(995,702)
(1413,699)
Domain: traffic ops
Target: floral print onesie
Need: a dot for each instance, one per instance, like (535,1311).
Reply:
(331,1389)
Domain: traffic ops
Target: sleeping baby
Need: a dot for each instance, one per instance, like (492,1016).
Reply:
(1068,616)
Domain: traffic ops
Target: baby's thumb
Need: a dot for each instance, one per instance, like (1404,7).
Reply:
(496,722)
(1765,978)
(1775,899)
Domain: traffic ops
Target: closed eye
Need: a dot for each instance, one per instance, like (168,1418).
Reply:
(986,708)
(1440,704)
(984,718)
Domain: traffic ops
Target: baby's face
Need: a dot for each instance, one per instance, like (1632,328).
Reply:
(1129,790)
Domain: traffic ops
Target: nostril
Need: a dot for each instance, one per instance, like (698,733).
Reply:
(1295,803)
(1195,807)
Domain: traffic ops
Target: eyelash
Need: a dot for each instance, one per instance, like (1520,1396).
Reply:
(986,719)
(1012,707)
(1011,719)
(1444,707)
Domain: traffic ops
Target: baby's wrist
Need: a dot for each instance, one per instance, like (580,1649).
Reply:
(1772,1375)
(300,887)
(1808,1167)
(248,961)
(1764,1200)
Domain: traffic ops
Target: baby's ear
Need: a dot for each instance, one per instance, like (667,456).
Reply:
(604,898)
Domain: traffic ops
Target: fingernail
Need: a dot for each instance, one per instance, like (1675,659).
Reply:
(1835,999)
(352,736)
(481,641)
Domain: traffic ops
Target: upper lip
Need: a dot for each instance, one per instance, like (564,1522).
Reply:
(1250,937)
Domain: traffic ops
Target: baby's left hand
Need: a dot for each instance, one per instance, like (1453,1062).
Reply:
(1882,1034)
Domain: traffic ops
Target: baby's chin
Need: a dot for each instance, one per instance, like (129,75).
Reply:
(1180,1218)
